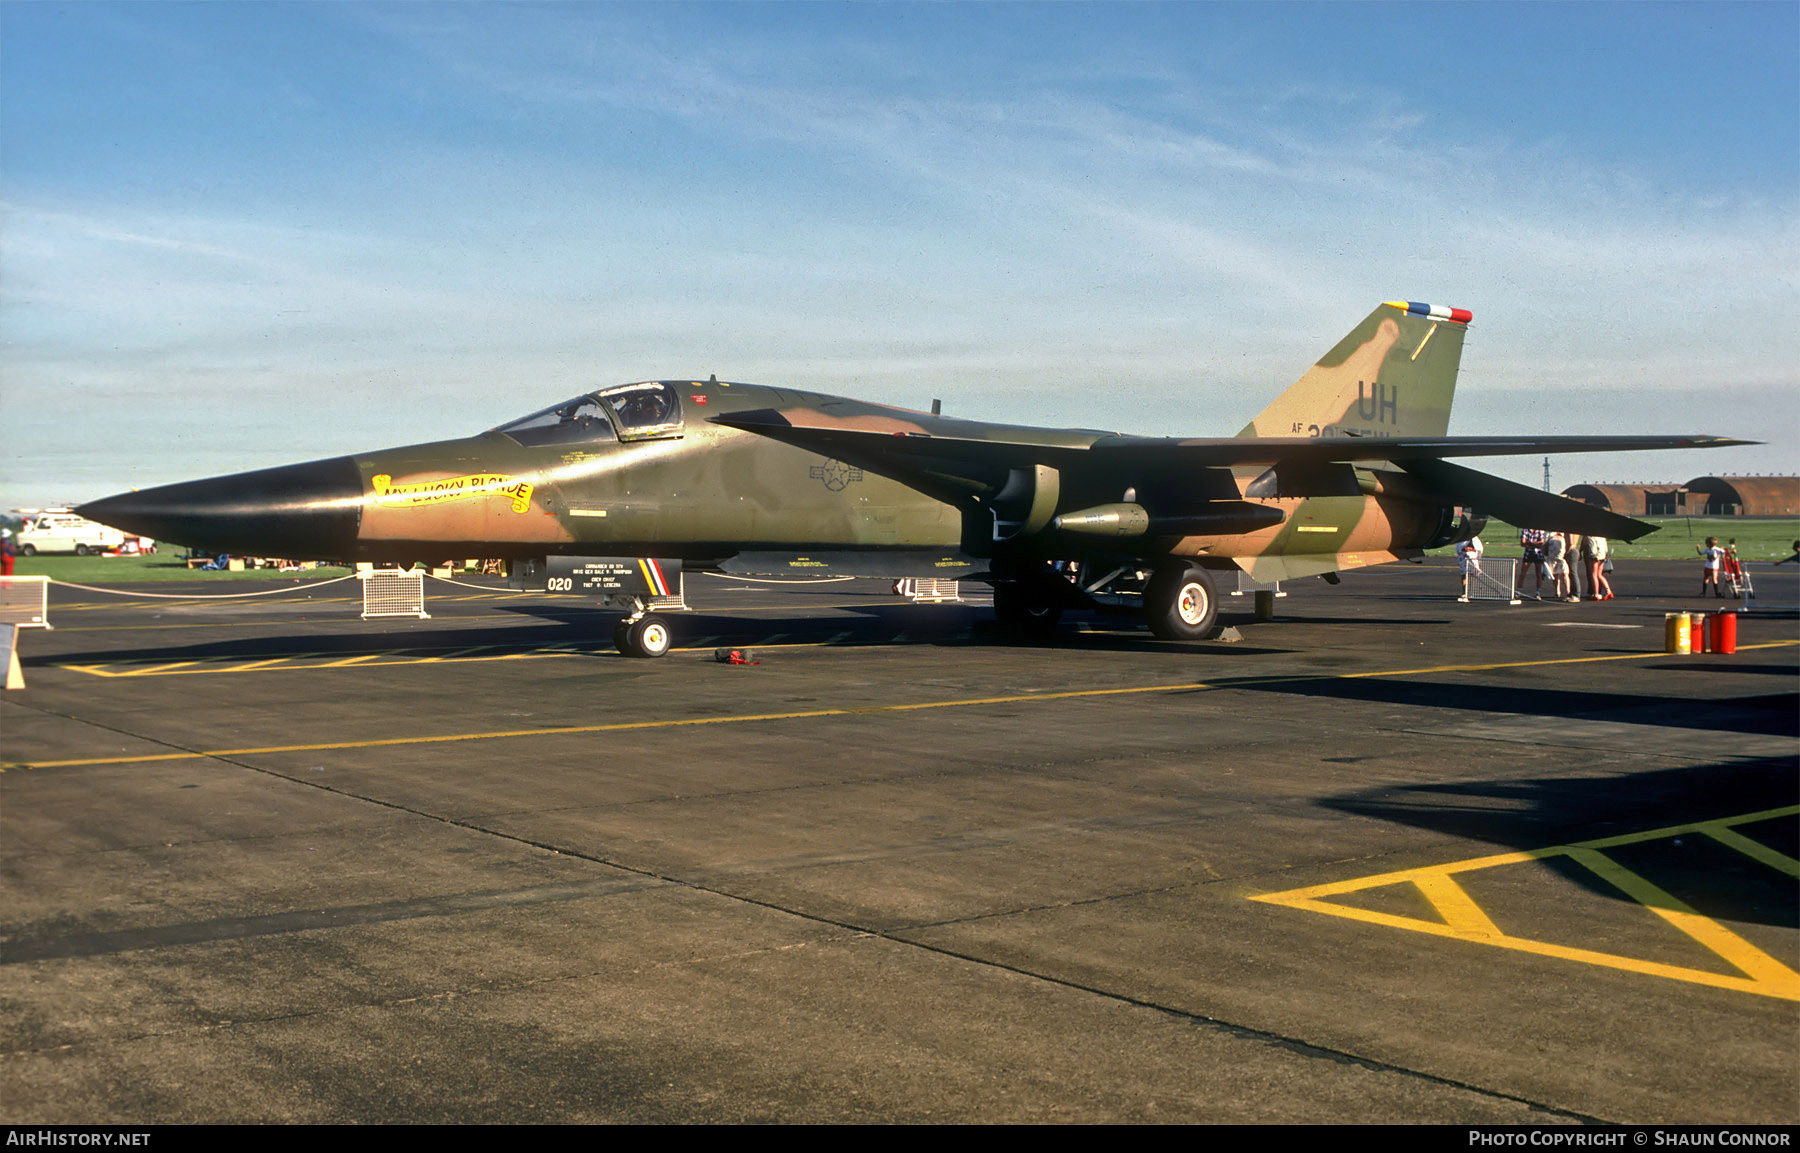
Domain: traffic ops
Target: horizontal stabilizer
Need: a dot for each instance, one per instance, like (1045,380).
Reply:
(1521,505)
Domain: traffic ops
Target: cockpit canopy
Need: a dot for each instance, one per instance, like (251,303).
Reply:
(650,410)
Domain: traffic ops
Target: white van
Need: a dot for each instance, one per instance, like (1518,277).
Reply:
(61,531)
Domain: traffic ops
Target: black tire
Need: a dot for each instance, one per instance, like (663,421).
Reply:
(81,550)
(648,637)
(1180,604)
(27,550)
(622,636)
(1026,606)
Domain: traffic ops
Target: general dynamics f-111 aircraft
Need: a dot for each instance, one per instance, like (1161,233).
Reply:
(616,490)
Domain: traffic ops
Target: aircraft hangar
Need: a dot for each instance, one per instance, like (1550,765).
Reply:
(1702,496)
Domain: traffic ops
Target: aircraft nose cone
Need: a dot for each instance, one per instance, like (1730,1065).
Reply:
(299,511)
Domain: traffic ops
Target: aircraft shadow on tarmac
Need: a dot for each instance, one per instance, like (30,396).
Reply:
(588,630)
(1773,714)
(901,623)
(1535,813)
(1539,812)
(1733,667)
(1305,618)
(514,639)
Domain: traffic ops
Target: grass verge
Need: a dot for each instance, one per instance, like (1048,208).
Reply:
(1758,541)
(161,566)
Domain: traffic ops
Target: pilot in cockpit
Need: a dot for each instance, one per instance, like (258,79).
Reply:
(643,409)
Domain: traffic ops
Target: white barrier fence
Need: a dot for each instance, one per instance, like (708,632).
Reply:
(25,601)
(24,604)
(927,590)
(1497,585)
(393,593)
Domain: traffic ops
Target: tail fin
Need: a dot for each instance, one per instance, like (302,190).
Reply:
(1394,375)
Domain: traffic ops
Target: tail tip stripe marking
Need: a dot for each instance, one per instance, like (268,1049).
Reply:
(1432,311)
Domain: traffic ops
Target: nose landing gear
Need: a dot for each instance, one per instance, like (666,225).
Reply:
(644,635)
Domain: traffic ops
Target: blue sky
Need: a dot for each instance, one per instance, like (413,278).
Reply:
(245,234)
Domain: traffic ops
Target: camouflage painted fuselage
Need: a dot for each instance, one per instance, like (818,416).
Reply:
(705,491)
(1346,468)
(697,491)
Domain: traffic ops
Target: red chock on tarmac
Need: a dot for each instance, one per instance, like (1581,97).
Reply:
(734,657)
(1721,632)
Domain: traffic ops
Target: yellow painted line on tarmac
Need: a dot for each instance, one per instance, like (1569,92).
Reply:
(1533,664)
(453,654)
(368,660)
(199,667)
(277,665)
(1776,978)
(161,602)
(254,665)
(1463,920)
(1458,909)
(164,670)
(1732,839)
(256,624)
(103,671)
(263,624)
(622,726)
(788,610)
(357,660)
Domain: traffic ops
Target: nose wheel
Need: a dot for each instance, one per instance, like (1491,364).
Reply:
(644,636)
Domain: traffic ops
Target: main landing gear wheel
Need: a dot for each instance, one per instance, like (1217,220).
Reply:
(1029,606)
(648,636)
(1180,604)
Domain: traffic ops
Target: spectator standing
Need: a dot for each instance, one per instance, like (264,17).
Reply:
(1468,557)
(1595,551)
(1531,544)
(1556,548)
(1712,558)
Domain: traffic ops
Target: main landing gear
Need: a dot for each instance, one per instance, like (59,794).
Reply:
(1033,598)
(1177,598)
(1029,607)
(1179,602)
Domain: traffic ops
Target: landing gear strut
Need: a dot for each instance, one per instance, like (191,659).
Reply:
(1033,601)
(1026,607)
(1179,603)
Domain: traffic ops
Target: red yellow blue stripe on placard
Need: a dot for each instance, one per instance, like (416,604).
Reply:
(1432,311)
(653,576)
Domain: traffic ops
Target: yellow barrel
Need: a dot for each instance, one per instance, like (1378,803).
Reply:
(1678,633)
